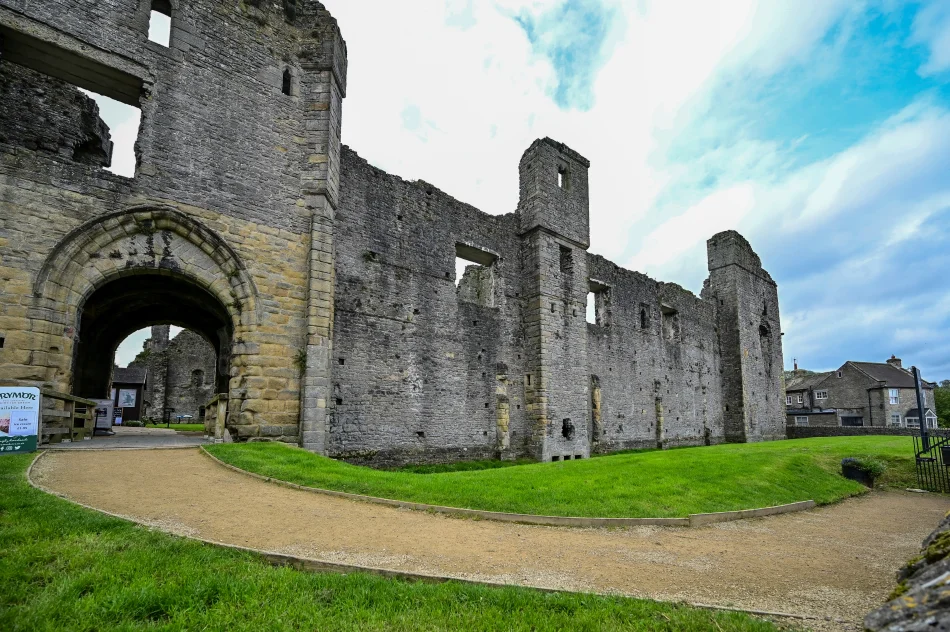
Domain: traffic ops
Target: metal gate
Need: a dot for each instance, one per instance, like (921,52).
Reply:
(933,459)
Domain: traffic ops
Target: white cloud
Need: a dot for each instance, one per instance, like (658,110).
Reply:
(717,212)
(932,29)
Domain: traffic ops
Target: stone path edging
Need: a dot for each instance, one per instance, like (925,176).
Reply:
(693,520)
(313,565)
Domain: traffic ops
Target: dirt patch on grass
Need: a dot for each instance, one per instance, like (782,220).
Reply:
(837,561)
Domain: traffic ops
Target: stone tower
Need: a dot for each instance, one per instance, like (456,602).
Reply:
(750,339)
(555,235)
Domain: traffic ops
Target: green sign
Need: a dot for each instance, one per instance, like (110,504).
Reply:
(11,445)
(19,419)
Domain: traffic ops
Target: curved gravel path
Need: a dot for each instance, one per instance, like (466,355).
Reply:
(836,561)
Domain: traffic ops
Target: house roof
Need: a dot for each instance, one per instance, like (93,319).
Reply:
(130,375)
(889,374)
(915,413)
(806,382)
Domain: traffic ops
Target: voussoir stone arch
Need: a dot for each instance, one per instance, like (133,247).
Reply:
(148,239)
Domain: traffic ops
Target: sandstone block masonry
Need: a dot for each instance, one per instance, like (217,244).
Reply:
(326,286)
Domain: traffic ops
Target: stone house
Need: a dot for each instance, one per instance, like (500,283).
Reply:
(326,286)
(868,394)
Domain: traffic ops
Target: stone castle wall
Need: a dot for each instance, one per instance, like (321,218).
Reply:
(179,373)
(326,287)
(655,352)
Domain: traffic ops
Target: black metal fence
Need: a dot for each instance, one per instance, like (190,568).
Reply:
(933,463)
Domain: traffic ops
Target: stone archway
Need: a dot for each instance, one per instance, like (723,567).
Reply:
(128,304)
(133,268)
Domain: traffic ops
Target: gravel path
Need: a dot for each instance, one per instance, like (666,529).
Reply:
(837,561)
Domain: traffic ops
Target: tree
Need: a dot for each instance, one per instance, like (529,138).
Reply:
(942,403)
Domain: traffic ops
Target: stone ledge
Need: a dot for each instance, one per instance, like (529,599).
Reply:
(693,520)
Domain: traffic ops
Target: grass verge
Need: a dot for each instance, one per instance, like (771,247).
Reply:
(179,427)
(63,567)
(669,483)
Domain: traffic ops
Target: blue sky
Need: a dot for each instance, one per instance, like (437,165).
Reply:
(819,130)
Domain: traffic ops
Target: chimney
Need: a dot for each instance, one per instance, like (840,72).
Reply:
(796,363)
(895,361)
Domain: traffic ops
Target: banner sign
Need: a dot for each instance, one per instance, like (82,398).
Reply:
(19,418)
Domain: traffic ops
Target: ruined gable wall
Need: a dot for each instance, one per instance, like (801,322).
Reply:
(419,378)
(186,392)
(219,142)
(668,368)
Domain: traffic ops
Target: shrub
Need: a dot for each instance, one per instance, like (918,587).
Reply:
(134,424)
(871,466)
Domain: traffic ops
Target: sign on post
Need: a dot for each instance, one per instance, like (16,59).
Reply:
(19,418)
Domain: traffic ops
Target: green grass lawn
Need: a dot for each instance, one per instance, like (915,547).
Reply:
(63,567)
(179,427)
(670,483)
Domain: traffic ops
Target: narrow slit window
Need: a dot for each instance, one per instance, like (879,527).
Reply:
(592,308)
(287,82)
(160,22)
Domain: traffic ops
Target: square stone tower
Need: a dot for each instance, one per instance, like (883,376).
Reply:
(750,339)
(554,221)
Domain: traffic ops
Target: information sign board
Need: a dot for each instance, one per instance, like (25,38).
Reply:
(19,418)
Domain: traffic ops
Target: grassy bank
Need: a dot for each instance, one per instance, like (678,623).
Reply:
(671,483)
(67,568)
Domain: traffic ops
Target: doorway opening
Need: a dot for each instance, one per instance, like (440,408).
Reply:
(183,337)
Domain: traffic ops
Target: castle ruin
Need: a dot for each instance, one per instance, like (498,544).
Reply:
(325,286)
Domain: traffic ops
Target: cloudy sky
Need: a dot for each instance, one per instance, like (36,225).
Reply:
(820,129)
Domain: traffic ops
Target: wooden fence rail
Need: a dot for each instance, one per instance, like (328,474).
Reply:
(73,422)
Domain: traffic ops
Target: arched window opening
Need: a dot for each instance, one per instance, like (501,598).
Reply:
(160,22)
(198,378)
(287,82)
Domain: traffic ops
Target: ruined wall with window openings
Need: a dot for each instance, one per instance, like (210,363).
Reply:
(338,320)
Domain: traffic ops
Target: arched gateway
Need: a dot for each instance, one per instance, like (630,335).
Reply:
(127,270)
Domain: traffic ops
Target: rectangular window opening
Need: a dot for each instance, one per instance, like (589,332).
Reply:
(566,259)
(72,109)
(598,302)
(475,275)
(801,421)
(671,322)
(894,396)
(159,26)
(788,400)
(821,394)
